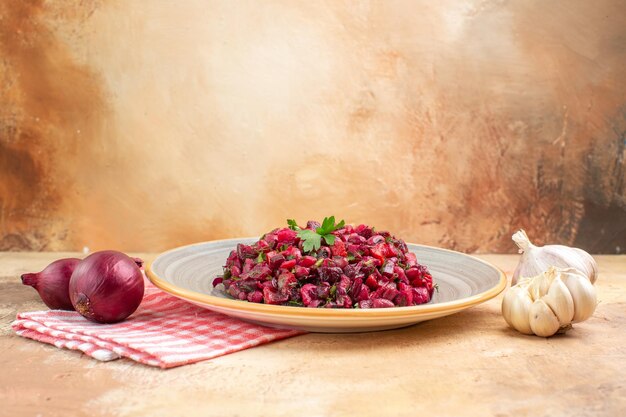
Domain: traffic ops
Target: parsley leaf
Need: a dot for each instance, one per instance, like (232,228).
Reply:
(329,226)
(292,224)
(261,257)
(313,239)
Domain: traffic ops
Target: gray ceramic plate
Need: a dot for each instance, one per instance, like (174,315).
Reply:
(464,281)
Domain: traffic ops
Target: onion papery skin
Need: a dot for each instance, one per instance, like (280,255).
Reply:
(106,287)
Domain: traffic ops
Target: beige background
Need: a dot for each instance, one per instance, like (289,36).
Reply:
(146,125)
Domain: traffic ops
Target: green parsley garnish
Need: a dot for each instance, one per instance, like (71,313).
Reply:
(292,224)
(333,291)
(295,303)
(261,257)
(313,239)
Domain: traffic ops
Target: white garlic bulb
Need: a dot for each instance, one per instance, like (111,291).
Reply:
(549,302)
(536,259)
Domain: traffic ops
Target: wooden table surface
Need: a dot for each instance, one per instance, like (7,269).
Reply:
(468,364)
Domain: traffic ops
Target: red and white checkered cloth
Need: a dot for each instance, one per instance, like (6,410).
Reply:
(164,331)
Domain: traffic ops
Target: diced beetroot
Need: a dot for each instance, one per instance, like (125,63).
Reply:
(272,296)
(364,293)
(262,284)
(245,251)
(235,271)
(355,289)
(286,281)
(428,280)
(391,250)
(292,252)
(344,301)
(340,261)
(381,303)
(242,296)
(388,268)
(330,274)
(404,298)
(323,290)
(276,261)
(327,262)
(352,248)
(420,295)
(356,239)
(371,282)
(411,259)
(387,291)
(366,304)
(307,261)
(379,252)
(261,246)
(218,281)
(364,231)
(248,265)
(413,273)
(308,292)
(339,248)
(271,239)
(399,274)
(286,236)
(301,271)
(375,240)
(313,225)
(288,264)
(315,303)
(324,252)
(232,256)
(233,290)
(258,271)
(255,297)
(344,285)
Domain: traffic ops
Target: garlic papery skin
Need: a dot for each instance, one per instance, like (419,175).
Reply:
(549,302)
(543,321)
(583,294)
(537,259)
(516,309)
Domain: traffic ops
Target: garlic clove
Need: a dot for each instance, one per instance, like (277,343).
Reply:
(539,285)
(536,259)
(560,301)
(543,321)
(583,294)
(516,309)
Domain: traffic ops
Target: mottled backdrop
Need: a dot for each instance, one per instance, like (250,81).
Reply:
(147,125)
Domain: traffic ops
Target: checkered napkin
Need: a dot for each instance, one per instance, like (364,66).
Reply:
(164,331)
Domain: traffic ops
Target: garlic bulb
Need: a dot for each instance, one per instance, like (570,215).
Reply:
(549,302)
(536,259)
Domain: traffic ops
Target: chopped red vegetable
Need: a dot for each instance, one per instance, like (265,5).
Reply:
(327,265)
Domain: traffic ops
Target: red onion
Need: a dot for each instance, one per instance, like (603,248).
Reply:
(52,283)
(107,286)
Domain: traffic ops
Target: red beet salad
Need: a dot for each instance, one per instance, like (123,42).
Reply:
(327,265)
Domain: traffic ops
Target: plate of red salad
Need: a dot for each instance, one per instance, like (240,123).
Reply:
(326,276)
